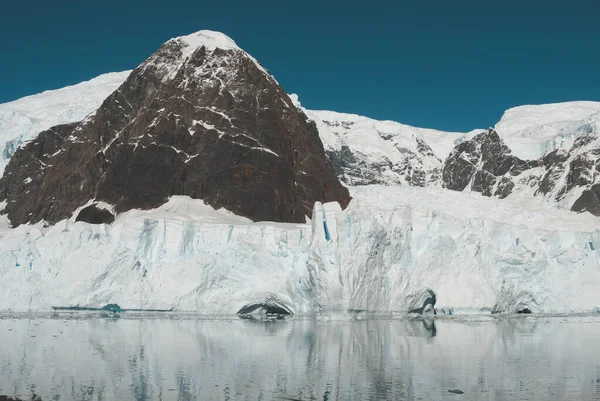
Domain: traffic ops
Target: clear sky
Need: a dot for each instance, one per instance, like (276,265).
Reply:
(451,65)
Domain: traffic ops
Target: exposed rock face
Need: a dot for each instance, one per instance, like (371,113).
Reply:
(94,215)
(589,201)
(574,175)
(485,164)
(200,118)
(567,175)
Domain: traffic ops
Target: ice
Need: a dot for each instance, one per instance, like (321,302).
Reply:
(379,256)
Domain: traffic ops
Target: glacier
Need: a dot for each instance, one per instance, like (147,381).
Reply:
(380,258)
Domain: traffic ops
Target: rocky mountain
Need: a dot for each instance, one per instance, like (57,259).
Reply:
(566,171)
(200,117)
(572,175)
(483,164)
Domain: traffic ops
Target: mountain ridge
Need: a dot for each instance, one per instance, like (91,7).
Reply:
(555,142)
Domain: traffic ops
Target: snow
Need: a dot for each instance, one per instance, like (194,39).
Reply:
(379,256)
(209,39)
(384,151)
(21,120)
(534,130)
(364,134)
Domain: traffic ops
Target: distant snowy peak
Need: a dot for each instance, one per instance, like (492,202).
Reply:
(366,151)
(533,131)
(355,126)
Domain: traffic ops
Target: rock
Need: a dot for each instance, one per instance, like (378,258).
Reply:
(94,215)
(456,391)
(589,201)
(485,164)
(205,121)
(569,170)
(112,308)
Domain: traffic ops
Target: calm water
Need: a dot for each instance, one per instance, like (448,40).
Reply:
(185,358)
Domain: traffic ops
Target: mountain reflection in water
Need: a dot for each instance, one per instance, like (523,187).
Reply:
(67,357)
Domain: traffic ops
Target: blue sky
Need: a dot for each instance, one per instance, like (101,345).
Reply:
(451,65)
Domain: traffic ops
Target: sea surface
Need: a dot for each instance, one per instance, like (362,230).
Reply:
(129,356)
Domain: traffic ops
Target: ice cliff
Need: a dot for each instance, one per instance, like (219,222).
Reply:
(379,259)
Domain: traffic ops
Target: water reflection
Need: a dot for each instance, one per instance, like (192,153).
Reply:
(187,359)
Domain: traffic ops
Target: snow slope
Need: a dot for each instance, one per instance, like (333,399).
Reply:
(383,252)
(376,152)
(534,130)
(368,136)
(23,119)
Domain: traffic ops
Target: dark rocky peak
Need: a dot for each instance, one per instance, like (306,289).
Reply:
(569,175)
(573,175)
(200,117)
(485,164)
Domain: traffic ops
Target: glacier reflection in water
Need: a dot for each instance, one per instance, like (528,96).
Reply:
(75,357)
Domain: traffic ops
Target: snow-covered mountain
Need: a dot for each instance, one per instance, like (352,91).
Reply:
(568,176)
(365,151)
(23,119)
(481,217)
(200,117)
(548,151)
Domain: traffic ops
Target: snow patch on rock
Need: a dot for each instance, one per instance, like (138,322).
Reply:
(209,39)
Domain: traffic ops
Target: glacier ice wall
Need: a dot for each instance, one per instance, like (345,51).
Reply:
(383,261)
(156,264)
(376,260)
